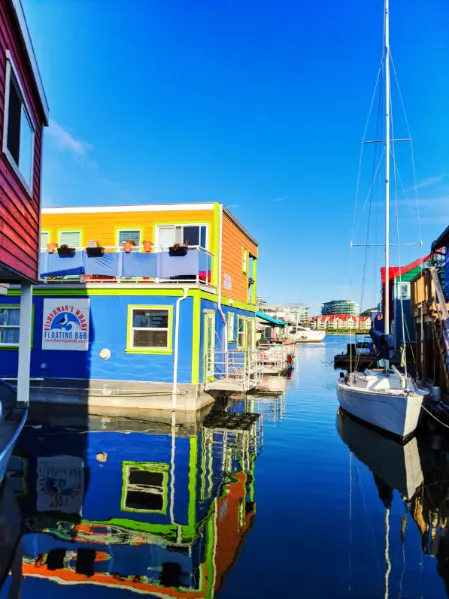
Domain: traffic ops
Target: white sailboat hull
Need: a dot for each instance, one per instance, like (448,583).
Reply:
(397,413)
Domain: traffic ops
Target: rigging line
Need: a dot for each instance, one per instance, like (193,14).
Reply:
(404,191)
(433,416)
(359,174)
(401,299)
(411,147)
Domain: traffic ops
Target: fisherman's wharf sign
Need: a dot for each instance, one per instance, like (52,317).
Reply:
(66,324)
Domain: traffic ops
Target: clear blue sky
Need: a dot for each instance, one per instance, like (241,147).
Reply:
(258,105)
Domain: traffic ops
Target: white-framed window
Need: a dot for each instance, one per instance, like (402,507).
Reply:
(404,290)
(125,235)
(18,137)
(231,325)
(9,326)
(44,240)
(70,238)
(149,328)
(145,487)
(194,235)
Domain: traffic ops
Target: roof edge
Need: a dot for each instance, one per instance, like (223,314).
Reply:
(441,241)
(239,225)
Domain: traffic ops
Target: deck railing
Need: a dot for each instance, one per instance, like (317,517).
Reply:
(158,266)
(230,370)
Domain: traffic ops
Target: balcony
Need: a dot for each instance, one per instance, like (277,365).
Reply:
(117,266)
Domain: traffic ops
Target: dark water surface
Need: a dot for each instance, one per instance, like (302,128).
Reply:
(260,497)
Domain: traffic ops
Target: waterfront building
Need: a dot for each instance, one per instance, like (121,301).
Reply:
(340,307)
(341,322)
(147,305)
(291,314)
(25,113)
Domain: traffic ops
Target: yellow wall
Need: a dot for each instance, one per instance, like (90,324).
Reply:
(104,226)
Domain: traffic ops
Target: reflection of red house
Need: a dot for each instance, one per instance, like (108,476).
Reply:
(234,519)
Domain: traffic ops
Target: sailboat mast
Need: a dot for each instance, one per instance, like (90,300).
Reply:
(387,171)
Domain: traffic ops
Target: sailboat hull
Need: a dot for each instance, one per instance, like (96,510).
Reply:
(396,414)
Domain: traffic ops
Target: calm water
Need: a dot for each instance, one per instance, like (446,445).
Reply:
(259,498)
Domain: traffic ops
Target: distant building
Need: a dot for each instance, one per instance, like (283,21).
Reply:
(290,314)
(340,307)
(341,322)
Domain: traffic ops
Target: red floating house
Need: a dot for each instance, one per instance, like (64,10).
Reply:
(23,115)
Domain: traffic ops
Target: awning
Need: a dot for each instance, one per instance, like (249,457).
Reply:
(270,319)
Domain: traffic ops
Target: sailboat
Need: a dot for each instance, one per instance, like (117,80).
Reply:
(384,398)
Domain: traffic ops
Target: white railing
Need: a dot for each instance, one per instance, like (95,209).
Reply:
(237,368)
(272,355)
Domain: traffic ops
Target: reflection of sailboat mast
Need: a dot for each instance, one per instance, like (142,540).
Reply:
(387,551)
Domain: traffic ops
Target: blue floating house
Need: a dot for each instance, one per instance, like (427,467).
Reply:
(148,326)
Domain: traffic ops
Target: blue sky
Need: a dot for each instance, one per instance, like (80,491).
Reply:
(258,105)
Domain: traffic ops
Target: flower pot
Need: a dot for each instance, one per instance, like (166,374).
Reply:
(128,247)
(181,251)
(95,252)
(147,246)
(51,248)
(66,251)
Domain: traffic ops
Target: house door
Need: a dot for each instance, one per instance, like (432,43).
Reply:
(209,345)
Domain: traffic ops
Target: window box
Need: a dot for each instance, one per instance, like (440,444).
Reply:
(95,252)
(178,251)
(66,251)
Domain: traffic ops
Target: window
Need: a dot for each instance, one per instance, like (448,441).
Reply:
(70,238)
(9,326)
(44,240)
(129,235)
(405,291)
(231,318)
(195,235)
(145,487)
(149,329)
(18,143)
(241,337)
(244,261)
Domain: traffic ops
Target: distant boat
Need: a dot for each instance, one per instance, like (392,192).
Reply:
(384,397)
(305,335)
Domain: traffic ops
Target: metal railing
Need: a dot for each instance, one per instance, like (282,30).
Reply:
(232,369)
(157,266)
(272,356)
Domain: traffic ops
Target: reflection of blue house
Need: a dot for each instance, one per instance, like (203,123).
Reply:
(126,508)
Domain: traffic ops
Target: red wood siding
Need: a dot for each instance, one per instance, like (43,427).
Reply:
(19,213)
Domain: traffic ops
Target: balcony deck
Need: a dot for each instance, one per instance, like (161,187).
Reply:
(114,266)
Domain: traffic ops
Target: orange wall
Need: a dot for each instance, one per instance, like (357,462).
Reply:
(234,240)
(104,226)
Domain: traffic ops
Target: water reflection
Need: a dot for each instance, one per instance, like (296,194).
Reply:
(418,472)
(135,504)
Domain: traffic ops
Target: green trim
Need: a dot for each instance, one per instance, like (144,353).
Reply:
(254,287)
(16,347)
(196,338)
(154,350)
(193,470)
(210,561)
(148,467)
(217,239)
(226,301)
(231,330)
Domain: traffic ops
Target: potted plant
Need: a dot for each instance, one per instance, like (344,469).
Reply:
(179,249)
(128,245)
(95,251)
(51,247)
(147,246)
(64,250)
